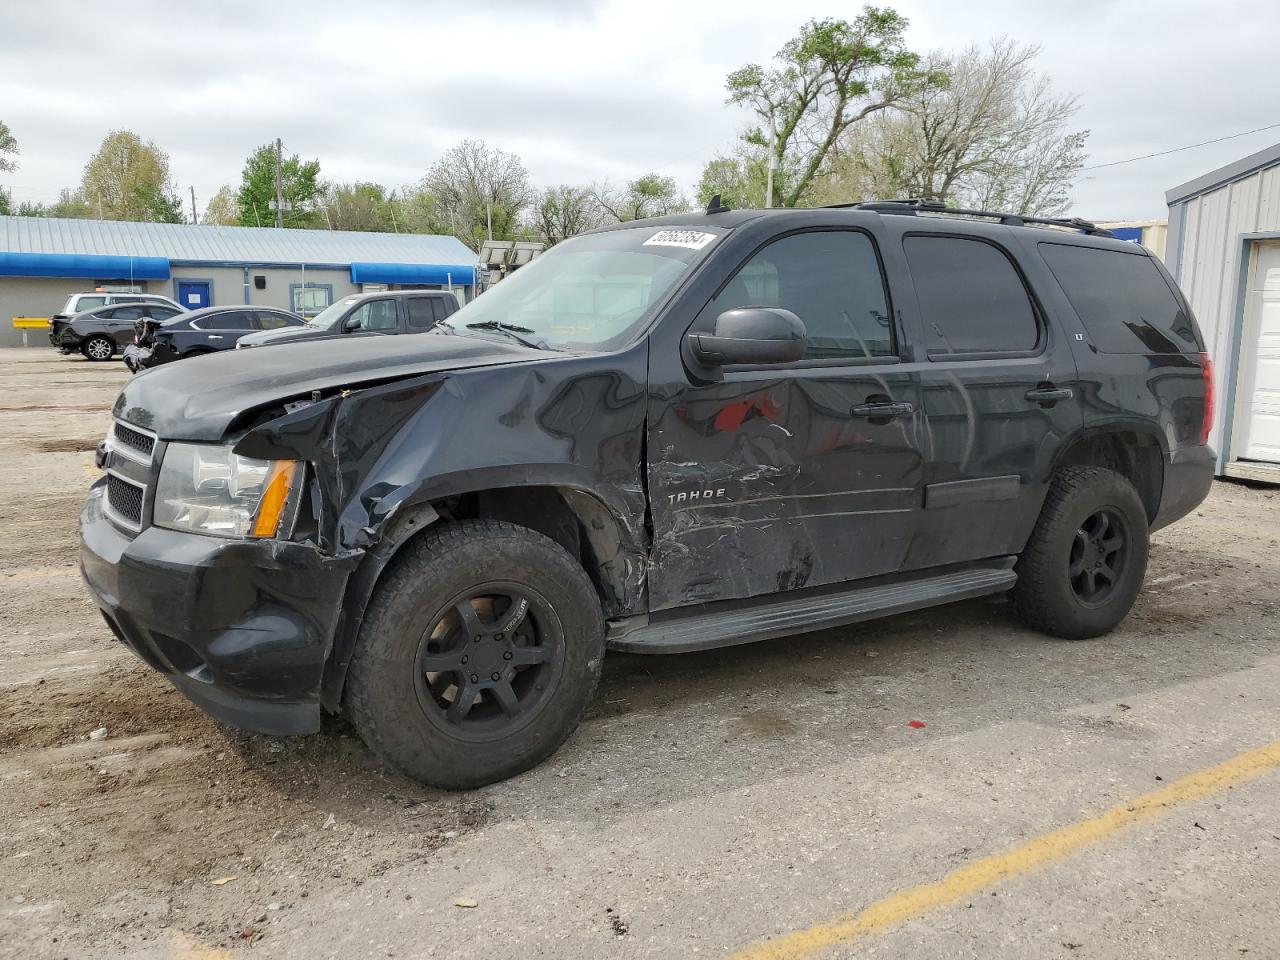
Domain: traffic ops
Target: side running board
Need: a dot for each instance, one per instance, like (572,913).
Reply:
(709,629)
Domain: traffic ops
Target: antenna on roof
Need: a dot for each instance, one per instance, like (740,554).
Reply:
(715,206)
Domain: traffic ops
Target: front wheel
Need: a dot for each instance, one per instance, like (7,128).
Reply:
(98,348)
(1083,567)
(480,652)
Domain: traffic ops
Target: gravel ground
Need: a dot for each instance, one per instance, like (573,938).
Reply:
(708,801)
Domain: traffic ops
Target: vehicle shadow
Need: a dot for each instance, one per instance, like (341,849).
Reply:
(680,727)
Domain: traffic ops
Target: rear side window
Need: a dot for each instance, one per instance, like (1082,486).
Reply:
(421,316)
(126,313)
(232,320)
(87,303)
(972,300)
(1122,299)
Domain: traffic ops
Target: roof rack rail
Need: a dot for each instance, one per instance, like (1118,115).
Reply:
(912,207)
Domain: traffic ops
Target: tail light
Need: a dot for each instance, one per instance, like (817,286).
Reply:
(1206,371)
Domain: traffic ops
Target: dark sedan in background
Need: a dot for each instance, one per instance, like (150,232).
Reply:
(368,314)
(203,331)
(102,333)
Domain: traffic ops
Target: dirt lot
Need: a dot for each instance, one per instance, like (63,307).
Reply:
(708,802)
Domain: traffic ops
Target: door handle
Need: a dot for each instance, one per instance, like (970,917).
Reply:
(1049,395)
(215,336)
(883,410)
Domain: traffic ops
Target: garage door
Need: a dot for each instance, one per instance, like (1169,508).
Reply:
(1258,418)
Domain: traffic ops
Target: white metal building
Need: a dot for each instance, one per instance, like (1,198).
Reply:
(42,260)
(1224,250)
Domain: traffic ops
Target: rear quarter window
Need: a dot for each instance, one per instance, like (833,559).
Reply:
(1122,299)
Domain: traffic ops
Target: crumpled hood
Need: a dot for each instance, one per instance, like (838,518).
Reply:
(200,397)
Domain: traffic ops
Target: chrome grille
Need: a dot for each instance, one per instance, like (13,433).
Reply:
(124,500)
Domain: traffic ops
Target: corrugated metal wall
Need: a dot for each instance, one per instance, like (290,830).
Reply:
(1209,268)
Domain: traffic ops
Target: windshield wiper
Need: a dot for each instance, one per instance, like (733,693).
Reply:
(512,331)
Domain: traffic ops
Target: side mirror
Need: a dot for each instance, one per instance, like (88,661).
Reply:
(351,323)
(751,335)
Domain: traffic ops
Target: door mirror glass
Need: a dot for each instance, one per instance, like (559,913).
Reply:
(751,335)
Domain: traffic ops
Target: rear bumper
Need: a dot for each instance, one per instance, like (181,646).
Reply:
(1187,478)
(242,628)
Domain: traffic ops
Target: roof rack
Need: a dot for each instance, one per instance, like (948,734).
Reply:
(913,207)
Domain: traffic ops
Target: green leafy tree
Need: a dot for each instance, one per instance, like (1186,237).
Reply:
(223,208)
(8,150)
(300,187)
(739,180)
(651,195)
(471,186)
(996,137)
(359,206)
(70,205)
(128,179)
(828,78)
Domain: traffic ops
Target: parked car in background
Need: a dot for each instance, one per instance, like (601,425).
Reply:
(103,332)
(202,331)
(368,314)
(80,302)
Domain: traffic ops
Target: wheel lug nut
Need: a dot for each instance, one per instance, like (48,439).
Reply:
(496,675)
(507,655)
(497,636)
(477,639)
(465,658)
(475,678)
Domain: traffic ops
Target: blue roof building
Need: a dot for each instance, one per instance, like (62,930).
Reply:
(43,260)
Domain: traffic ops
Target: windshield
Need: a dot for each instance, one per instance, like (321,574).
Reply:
(330,315)
(592,291)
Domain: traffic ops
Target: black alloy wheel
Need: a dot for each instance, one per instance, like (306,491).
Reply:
(488,664)
(1098,556)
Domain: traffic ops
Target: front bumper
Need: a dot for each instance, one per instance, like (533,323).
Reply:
(242,628)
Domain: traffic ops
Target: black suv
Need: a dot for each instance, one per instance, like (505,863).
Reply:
(367,314)
(663,436)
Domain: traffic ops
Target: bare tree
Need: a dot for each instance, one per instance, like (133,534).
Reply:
(471,186)
(128,179)
(562,212)
(994,136)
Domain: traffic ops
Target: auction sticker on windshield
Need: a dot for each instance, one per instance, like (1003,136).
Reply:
(690,239)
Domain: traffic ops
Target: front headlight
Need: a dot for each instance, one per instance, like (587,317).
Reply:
(205,488)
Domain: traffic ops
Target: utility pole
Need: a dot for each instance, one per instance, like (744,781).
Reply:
(488,213)
(279,186)
(193,206)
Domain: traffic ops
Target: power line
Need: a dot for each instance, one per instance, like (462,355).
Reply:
(1190,146)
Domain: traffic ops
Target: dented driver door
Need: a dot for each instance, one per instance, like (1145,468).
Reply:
(775,479)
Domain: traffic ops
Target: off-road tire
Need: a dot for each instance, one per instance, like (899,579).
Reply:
(1044,596)
(381,694)
(88,349)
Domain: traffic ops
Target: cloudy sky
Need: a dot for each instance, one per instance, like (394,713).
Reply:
(582,90)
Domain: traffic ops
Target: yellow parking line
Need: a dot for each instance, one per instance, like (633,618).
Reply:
(1034,854)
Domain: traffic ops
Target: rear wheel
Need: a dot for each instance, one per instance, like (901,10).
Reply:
(98,348)
(481,650)
(1083,567)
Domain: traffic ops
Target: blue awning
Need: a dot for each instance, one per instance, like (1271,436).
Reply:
(83,266)
(459,274)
